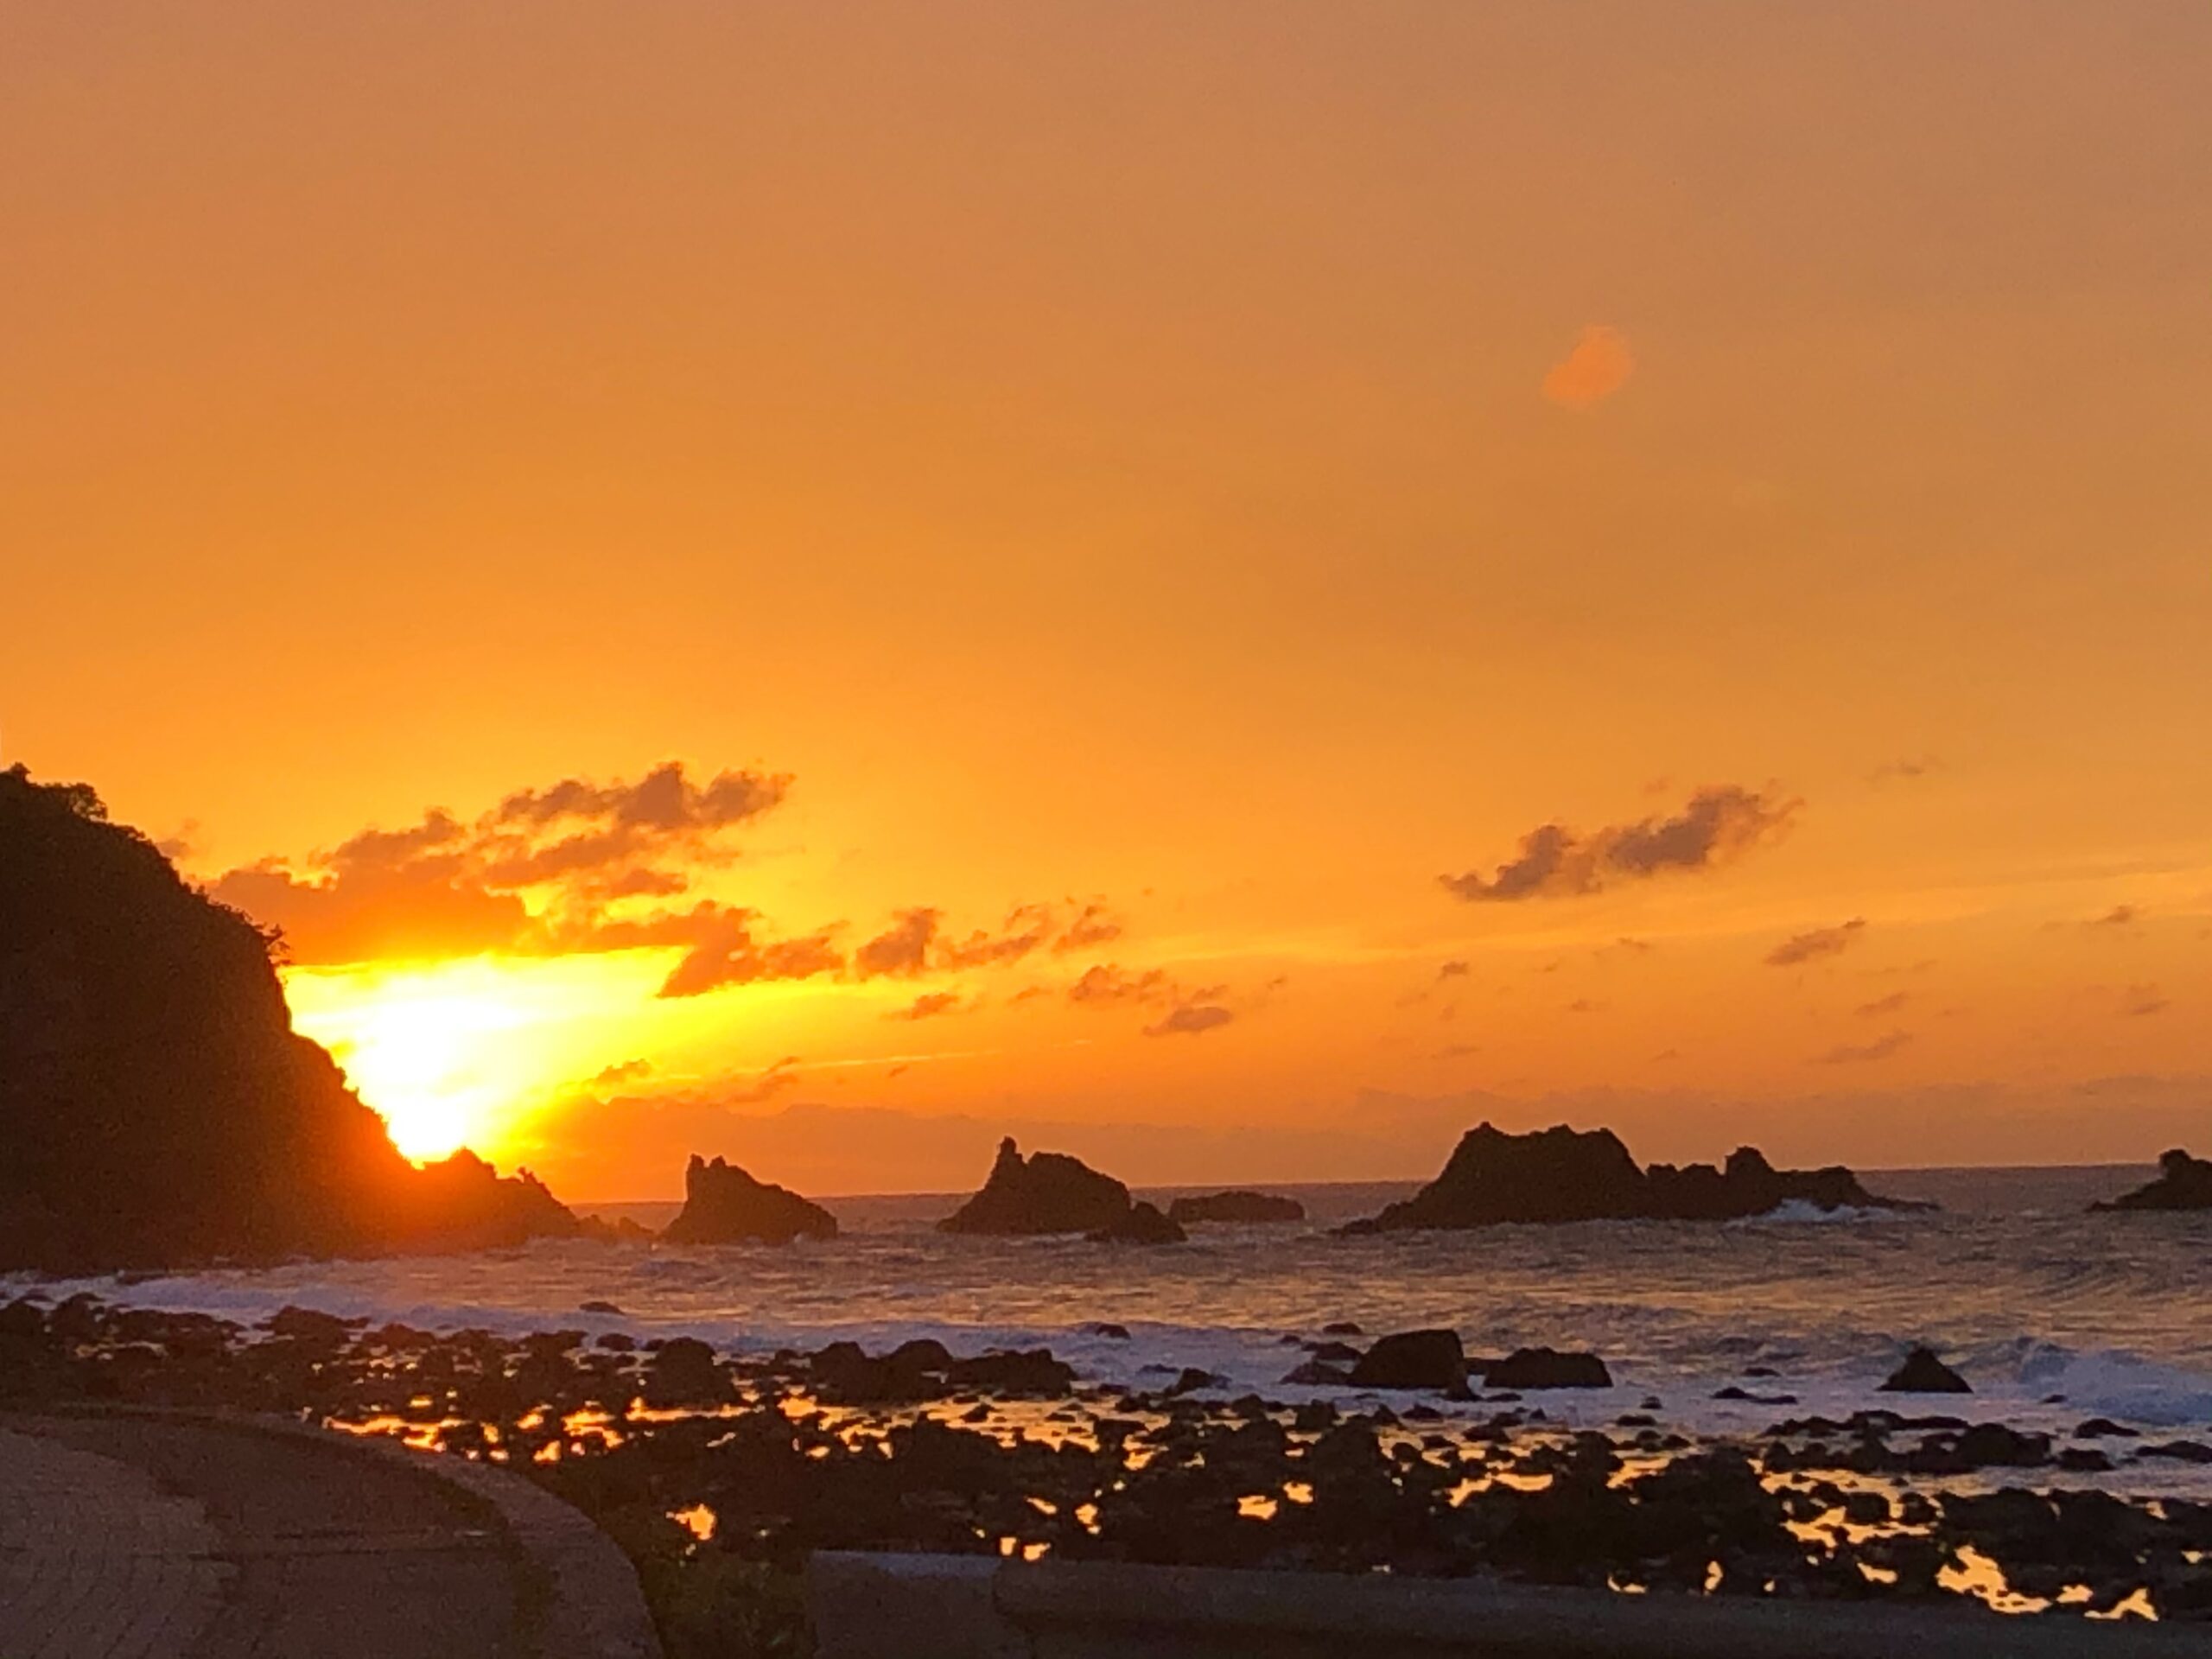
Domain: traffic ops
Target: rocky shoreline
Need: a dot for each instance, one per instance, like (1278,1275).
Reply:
(717,1472)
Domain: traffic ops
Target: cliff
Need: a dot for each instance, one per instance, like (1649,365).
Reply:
(156,1108)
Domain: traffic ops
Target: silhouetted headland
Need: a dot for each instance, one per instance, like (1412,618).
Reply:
(156,1107)
(724,1205)
(2183,1183)
(1562,1174)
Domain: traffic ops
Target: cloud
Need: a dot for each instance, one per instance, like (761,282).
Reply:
(1454,970)
(1093,926)
(928,1005)
(765,1085)
(2118,916)
(1820,942)
(902,949)
(1858,1053)
(1108,983)
(1024,930)
(1881,1005)
(1718,825)
(723,950)
(623,1071)
(2140,1000)
(1598,367)
(1191,1019)
(1906,771)
(445,886)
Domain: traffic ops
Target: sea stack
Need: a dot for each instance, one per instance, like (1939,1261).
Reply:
(1046,1193)
(724,1205)
(2183,1183)
(1561,1174)
(1239,1207)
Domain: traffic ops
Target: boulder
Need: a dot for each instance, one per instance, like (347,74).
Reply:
(724,1205)
(1047,1192)
(1413,1360)
(1547,1368)
(683,1373)
(1561,1174)
(1923,1373)
(1140,1224)
(1035,1371)
(1240,1207)
(2183,1183)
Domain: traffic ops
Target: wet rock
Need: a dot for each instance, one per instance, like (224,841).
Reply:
(2179,1451)
(1342,1328)
(683,1372)
(1317,1374)
(724,1205)
(1140,1224)
(1413,1360)
(2099,1429)
(1047,1192)
(1333,1353)
(1031,1372)
(1241,1208)
(1546,1368)
(1190,1379)
(2183,1183)
(1923,1373)
(600,1307)
(1108,1329)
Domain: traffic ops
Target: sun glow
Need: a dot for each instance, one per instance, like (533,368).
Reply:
(458,1053)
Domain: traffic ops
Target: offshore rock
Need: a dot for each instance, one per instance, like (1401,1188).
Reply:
(1239,1207)
(1923,1373)
(1413,1360)
(724,1205)
(1546,1368)
(1047,1192)
(2183,1183)
(1561,1174)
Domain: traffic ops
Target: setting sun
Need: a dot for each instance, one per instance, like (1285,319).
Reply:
(454,1054)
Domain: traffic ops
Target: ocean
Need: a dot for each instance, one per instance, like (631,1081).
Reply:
(2054,1315)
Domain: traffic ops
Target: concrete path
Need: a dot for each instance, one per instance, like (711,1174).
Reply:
(125,1537)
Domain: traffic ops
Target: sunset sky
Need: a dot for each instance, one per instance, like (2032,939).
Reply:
(1231,588)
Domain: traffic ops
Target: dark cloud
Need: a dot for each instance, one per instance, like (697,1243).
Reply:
(1881,1005)
(2139,999)
(1907,771)
(1453,971)
(903,948)
(1107,984)
(664,801)
(1858,1053)
(2118,916)
(1820,942)
(721,947)
(1094,925)
(1191,1019)
(1718,825)
(1024,930)
(928,1005)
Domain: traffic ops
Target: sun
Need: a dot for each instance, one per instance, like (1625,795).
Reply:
(456,1054)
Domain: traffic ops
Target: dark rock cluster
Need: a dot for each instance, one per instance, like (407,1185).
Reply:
(1561,1174)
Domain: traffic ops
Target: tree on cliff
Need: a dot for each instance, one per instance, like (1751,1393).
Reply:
(155,1105)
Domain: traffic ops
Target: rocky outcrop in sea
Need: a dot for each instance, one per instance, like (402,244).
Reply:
(1046,1193)
(725,1205)
(1240,1207)
(2183,1183)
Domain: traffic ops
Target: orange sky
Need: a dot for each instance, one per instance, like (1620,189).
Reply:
(1230,467)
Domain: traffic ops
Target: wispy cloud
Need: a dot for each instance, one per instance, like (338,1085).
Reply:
(1718,825)
(1598,367)
(1818,943)
(1861,1053)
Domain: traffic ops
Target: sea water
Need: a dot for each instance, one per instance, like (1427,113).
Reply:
(2054,1314)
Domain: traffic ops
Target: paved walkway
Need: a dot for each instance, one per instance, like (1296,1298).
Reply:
(135,1538)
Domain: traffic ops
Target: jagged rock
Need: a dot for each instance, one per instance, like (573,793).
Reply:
(130,1001)
(2183,1183)
(1140,1224)
(1546,1368)
(724,1205)
(1046,1192)
(1413,1360)
(1561,1174)
(1240,1207)
(1923,1373)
